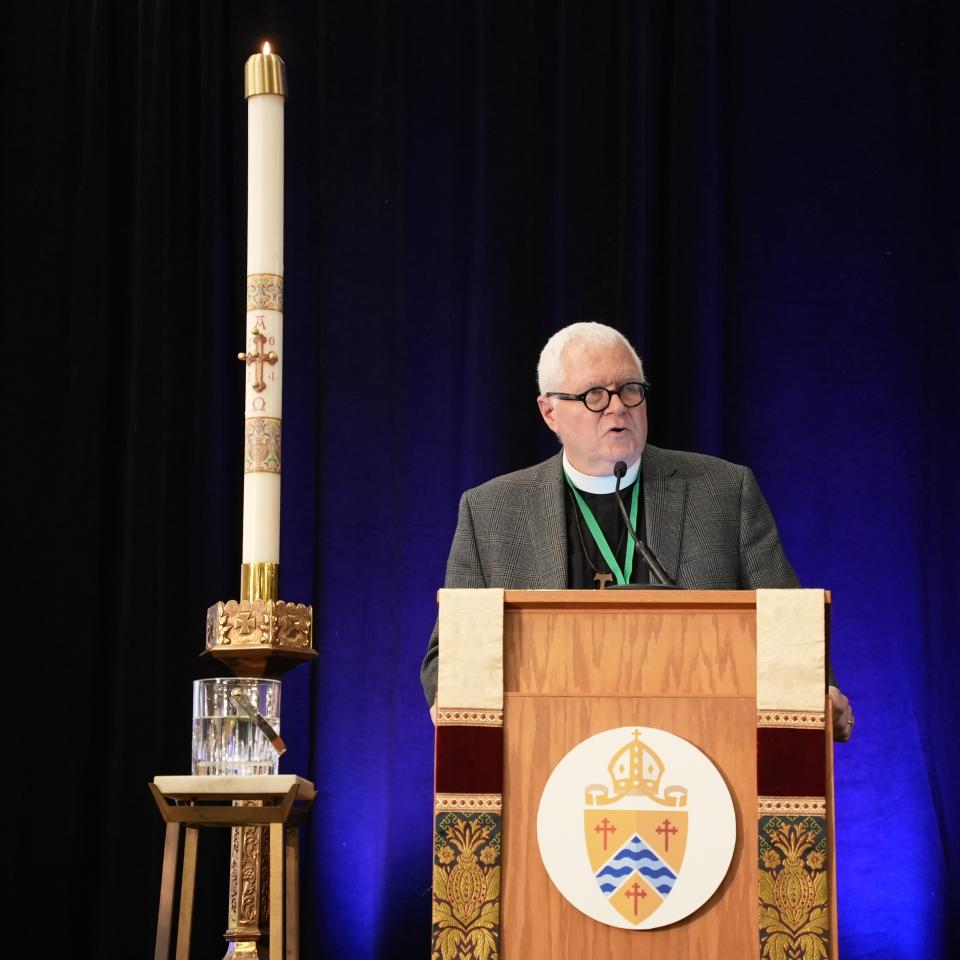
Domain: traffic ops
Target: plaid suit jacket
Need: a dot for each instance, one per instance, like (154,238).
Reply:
(706,521)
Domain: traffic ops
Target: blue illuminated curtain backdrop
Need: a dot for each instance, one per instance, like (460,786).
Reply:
(762,196)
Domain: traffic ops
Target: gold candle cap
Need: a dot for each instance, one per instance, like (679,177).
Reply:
(264,73)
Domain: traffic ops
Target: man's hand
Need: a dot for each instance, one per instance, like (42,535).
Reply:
(842,715)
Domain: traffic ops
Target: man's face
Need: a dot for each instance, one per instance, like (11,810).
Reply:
(596,441)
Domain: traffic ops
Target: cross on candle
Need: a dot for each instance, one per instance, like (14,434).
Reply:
(665,832)
(259,358)
(636,893)
(605,827)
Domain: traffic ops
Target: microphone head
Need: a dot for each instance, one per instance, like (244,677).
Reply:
(619,469)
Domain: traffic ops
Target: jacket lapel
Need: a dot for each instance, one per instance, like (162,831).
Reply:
(547,525)
(663,498)
(664,492)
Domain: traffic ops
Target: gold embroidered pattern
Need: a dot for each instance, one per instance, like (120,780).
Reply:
(794,919)
(265,292)
(460,717)
(796,806)
(797,719)
(466,887)
(475,802)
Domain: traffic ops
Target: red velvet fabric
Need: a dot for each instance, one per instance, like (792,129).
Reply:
(790,763)
(469,760)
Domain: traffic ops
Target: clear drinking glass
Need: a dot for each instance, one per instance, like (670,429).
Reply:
(226,741)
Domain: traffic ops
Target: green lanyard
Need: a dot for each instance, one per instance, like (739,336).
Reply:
(623,576)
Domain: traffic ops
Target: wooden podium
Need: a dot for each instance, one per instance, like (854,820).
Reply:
(735,673)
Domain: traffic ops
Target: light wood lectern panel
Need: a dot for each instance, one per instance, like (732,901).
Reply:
(630,643)
(575,667)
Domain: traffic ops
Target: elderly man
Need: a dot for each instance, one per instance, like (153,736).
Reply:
(557,525)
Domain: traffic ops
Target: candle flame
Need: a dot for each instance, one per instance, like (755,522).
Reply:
(266,48)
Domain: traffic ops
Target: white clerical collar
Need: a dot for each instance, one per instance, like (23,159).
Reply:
(583,481)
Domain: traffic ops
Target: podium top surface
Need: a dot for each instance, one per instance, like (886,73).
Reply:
(254,788)
(653,598)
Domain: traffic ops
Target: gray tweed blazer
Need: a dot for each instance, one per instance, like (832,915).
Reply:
(706,521)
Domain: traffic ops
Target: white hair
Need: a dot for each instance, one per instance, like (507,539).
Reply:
(552,368)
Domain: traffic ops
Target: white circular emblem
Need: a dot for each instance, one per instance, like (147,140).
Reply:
(636,827)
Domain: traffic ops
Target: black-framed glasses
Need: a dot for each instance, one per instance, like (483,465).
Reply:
(597,399)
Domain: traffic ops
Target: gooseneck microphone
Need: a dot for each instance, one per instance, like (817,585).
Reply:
(659,574)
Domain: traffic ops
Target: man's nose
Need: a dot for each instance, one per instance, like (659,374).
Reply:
(615,405)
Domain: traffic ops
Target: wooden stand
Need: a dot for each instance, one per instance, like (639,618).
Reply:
(194,802)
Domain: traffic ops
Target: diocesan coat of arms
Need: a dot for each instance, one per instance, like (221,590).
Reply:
(641,828)
(634,862)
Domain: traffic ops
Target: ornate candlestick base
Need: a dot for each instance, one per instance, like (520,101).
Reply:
(260,638)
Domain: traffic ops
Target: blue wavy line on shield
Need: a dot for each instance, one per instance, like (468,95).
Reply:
(617,872)
(627,854)
(657,874)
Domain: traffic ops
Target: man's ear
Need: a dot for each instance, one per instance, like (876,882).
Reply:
(546,405)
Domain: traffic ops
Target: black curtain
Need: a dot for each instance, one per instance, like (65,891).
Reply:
(762,196)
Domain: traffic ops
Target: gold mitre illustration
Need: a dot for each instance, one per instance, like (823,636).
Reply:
(635,770)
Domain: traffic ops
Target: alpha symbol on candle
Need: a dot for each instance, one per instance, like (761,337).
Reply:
(259,358)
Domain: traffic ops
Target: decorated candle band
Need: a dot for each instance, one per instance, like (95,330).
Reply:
(262,445)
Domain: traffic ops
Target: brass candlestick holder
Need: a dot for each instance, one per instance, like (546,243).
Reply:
(263,637)
(259,635)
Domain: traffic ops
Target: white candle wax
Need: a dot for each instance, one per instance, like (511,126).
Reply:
(261,518)
(265,184)
(264,329)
